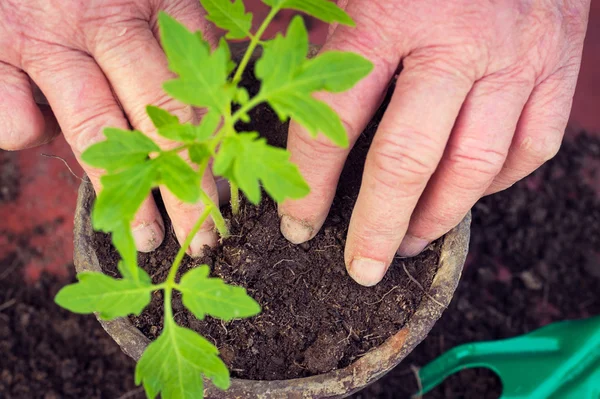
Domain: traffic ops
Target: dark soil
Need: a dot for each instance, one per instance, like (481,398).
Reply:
(9,176)
(534,259)
(315,318)
(47,352)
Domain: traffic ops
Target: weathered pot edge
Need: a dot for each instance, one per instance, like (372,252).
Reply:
(335,384)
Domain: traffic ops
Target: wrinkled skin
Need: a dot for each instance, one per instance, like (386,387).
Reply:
(482,101)
(99,63)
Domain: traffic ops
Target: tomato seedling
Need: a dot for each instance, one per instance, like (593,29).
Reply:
(175,364)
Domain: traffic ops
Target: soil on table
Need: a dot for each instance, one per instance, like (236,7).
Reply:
(315,318)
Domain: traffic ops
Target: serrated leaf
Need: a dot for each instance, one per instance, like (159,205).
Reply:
(324,10)
(179,177)
(121,196)
(168,125)
(289,80)
(211,296)
(224,46)
(199,153)
(122,239)
(120,150)
(112,298)
(241,96)
(248,160)
(334,71)
(202,74)
(173,365)
(208,126)
(231,16)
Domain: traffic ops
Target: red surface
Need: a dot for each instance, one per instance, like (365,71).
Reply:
(38,224)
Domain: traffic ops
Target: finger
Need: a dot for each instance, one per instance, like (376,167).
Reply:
(137,68)
(540,130)
(23,123)
(474,156)
(84,105)
(404,154)
(319,160)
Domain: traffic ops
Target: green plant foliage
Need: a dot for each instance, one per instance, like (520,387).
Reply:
(248,160)
(203,75)
(96,292)
(179,177)
(122,194)
(289,79)
(211,296)
(322,9)
(229,16)
(121,150)
(175,363)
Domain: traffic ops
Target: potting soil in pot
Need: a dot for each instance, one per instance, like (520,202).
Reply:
(315,318)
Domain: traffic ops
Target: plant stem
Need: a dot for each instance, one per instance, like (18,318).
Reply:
(170,281)
(256,39)
(249,105)
(235,198)
(215,214)
(188,240)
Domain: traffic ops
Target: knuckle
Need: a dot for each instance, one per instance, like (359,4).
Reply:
(474,164)
(448,62)
(405,163)
(88,129)
(315,147)
(543,147)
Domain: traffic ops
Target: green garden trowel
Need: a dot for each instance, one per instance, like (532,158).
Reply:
(558,361)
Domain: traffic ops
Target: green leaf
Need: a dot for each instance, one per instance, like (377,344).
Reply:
(120,150)
(224,46)
(208,126)
(203,75)
(122,239)
(230,16)
(179,177)
(334,71)
(289,80)
(324,10)
(241,96)
(121,196)
(211,296)
(112,298)
(248,160)
(199,153)
(174,364)
(168,125)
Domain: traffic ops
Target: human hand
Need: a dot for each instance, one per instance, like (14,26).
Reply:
(482,101)
(99,63)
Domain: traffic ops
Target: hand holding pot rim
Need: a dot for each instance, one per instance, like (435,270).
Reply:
(482,101)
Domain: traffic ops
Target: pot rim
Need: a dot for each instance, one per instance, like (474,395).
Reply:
(335,384)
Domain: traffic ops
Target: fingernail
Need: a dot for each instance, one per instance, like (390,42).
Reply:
(148,237)
(367,272)
(412,246)
(294,230)
(201,239)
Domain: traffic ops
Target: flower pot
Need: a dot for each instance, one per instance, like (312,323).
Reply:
(336,384)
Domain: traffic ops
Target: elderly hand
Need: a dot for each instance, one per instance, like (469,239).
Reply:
(99,63)
(482,101)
